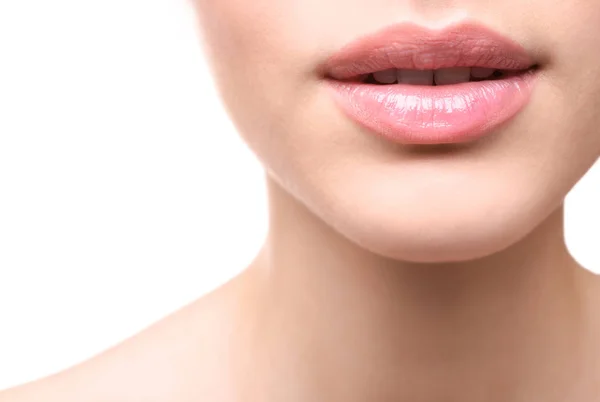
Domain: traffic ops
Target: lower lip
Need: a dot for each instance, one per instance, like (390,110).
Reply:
(416,114)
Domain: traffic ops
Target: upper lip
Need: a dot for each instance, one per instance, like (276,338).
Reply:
(410,46)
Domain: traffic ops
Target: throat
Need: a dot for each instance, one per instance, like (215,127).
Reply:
(426,337)
(334,320)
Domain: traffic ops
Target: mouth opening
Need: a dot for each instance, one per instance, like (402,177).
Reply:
(443,76)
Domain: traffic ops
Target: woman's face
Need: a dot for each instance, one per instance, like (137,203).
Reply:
(417,202)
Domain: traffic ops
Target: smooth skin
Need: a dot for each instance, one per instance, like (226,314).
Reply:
(390,273)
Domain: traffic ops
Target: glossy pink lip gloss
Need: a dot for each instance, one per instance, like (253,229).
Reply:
(420,114)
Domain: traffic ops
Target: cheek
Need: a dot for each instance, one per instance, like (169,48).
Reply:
(247,38)
(571,29)
(243,44)
(263,62)
(570,96)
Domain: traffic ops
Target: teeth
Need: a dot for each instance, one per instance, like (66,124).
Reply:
(455,75)
(481,72)
(443,76)
(385,77)
(415,77)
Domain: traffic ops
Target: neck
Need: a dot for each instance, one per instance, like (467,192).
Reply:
(345,323)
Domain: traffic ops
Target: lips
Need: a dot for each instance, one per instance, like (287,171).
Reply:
(414,85)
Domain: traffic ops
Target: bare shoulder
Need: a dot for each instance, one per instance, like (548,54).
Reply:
(180,359)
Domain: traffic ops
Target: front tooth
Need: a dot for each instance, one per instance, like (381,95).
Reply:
(385,77)
(454,75)
(415,77)
(482,72)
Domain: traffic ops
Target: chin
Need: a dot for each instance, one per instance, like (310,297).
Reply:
(431,238)
(432,224)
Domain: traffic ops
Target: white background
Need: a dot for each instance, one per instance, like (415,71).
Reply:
(122,181)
